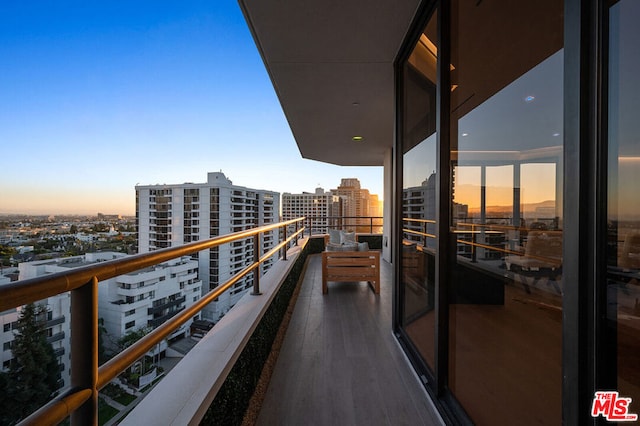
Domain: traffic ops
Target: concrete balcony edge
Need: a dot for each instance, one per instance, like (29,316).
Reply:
(186,393)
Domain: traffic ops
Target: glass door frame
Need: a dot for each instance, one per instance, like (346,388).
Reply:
(585,362)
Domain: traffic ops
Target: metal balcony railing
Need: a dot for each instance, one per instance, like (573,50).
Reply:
(54,321)
(87,378)
(56,337)
(360,224)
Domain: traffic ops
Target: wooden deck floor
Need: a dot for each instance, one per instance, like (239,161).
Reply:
(340,364)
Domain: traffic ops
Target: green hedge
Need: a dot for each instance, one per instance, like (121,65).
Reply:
(375,241)
(231,402)
(316,245)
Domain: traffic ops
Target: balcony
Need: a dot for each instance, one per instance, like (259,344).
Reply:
(168,304)
(56,337)
(137,290)
(339,362)
(54,321)
(160,320)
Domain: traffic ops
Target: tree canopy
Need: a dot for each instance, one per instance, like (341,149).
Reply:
(34,372)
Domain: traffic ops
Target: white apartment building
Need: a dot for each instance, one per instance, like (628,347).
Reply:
(175,214)
(148,297)
(323,209)
(57,329)
(129,302)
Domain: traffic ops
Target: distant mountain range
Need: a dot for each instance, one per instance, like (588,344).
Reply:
(543,208)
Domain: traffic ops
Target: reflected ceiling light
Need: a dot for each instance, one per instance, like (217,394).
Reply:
(555,135)
(357,138)
(529,99)
(465,134)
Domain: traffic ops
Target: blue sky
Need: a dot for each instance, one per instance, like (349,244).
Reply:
(96,97)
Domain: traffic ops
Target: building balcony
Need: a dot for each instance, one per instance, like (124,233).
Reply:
(135,291)
(54,321)
(167,305)
(160,320)
(339,362)
(56,337)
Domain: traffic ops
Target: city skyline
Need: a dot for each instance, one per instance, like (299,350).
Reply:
(99,98)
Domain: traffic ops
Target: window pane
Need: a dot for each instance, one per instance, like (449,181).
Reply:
(506,151)
(623,281)
(418,195)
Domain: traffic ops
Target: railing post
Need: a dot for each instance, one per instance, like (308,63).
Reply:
(424,231)
(256,259)
(284,238)
(295,241)
(84,349)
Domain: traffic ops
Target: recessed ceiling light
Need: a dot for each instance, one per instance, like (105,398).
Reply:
(529,98)
(357,138)
(465,134)
(556,135)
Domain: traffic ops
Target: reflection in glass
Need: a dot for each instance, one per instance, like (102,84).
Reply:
(623,257)
(419,194)
(506,224)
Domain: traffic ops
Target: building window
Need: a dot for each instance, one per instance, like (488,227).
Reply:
(129,313)
(129,325)
(7,327)
(623,207)
(418,213)
(6,346)
(499,179)
(506,215)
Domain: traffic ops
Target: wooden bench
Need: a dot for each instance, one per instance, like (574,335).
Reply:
(352,266)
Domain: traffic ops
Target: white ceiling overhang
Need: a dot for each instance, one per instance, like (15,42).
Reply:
(331,64)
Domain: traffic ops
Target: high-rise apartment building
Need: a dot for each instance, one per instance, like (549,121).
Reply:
(419,212)
(357,202)
(171,215)
(323,209)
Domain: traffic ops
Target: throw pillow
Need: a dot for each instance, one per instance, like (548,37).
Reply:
(334,236)
(347,237)
(363,246)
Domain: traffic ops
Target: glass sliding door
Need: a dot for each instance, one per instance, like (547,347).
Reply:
(506,289)
(623,216)
(419,194)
